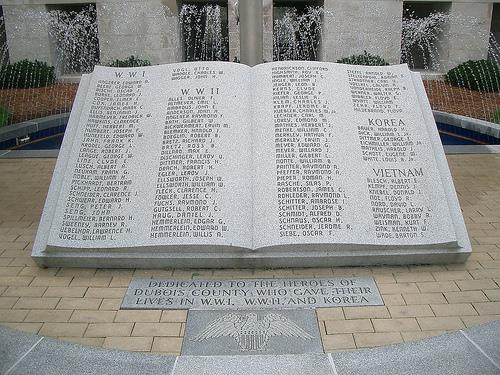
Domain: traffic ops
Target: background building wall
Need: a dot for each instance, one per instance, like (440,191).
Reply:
(353,26)
(26,32)
(145,29)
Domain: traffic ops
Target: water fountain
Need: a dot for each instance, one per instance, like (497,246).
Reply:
(204,32)
(297,33)
(194,31)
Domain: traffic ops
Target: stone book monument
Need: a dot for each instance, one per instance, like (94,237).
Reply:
(216,164)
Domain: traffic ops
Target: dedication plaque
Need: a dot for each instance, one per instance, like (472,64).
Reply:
(251,293)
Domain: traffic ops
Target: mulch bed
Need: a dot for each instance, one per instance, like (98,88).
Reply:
(451,99)
(27,104)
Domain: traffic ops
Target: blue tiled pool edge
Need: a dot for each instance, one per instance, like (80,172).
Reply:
(36,129)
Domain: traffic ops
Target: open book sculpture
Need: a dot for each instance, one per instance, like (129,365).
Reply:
(216,164)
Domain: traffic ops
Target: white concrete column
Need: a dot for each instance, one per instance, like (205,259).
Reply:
(233,30)
(469,32)
(250,31)
(353,26)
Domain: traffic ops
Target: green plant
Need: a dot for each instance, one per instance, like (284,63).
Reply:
(478,75)
(364,59)
(4,116)
(496,116)
(130,62)
(26,74)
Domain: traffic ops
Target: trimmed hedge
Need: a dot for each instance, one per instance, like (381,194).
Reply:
(4,116)
(477,75)
(26,74)
(364,59)
(496,116)
(130,62)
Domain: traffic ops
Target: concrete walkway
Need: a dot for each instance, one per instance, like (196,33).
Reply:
(474,351)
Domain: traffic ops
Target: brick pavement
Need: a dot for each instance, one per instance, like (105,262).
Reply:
(82,305)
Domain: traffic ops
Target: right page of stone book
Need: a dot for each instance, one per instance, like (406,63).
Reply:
(342,156)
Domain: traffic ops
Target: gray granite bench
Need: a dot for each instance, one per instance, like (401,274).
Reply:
(474,351)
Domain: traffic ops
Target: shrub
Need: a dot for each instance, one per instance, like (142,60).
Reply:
(496,116)
(478,75)
(26,74)
(130,62)
(364,59)
(4,116)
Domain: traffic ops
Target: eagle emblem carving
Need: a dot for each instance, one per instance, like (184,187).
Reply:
(251,331)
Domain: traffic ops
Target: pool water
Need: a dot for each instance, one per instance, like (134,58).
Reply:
(49,143)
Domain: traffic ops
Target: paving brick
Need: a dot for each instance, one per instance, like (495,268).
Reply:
(110,304)
(50,316)
(109,329)
(368,340)
(413,277)
(452,275)
(171,345)
(37,271)
(105,292)
(156,329)
(7,302)
(120,281)
(24,291)
(36,303)
(15,280)
(335,313)
(393,299)
(79,272)
(423,298)
(65,291)
(466,297)
(493,295)
(366,312)
(90,281)
(181,315)
(438,287)
(420,335)
(410,311)
(10,271)
(133,344)
(486,274)
(138,316)
(398,288)
(395,325)
(89,341)
(26,327)
(63,329)
(384,279)
(68,303)
(471,321)
(50,281)
(453,309)
(476,284)
(7,316)
(336,342)
(348,326)
(487,308)
(440,323)
(89,316)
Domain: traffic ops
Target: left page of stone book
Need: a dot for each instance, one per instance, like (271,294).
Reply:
(60,167)
(161,160)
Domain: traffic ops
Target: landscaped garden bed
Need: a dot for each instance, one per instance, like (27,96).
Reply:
(28,104)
